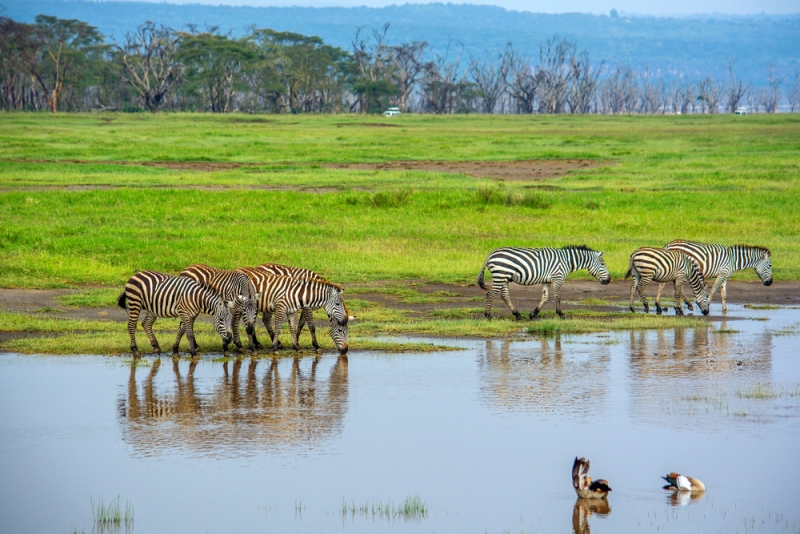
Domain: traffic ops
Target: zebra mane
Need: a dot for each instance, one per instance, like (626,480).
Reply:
(753,247)
(328,283)
(578,247)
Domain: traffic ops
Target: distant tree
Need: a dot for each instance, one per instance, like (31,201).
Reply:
(14,36)
(620,93)
(770,96)
(373,84)
(709,94)
(522,83)
(489,77)
(407,66)
(553,74)
(736,91)
(793,94)
(444,89)
(150,64)
(650,94)
(584,82)
(59,53)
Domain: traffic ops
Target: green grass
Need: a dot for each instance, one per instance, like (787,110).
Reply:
(92,298)
(707,178)
(412,508)
(111,517)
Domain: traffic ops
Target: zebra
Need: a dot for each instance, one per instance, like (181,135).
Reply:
(720,262)
(164,295)
(662,265)
(529,266)
(282,297)
(306,315)
(232,286)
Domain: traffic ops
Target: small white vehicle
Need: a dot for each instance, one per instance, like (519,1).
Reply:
(740,111)
(391,112)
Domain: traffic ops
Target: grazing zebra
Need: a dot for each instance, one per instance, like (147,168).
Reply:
(163,295)
(648,264)
(529,266)
(232,286)
(720,262)
(282,297)
(306,315)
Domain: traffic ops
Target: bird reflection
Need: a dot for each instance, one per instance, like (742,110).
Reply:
(583,510)
(682,498)
(242,410)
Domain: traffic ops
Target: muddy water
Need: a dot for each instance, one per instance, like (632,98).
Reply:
(485,437)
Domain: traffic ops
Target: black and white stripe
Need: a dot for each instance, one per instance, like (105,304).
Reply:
(721,261)
(529,266)
(282,297)
(233,286)
(649,264)
(306,315)
(163,295)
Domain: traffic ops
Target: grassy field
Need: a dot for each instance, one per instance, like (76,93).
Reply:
(78,205)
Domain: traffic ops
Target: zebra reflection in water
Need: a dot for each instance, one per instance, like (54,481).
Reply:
(260,407)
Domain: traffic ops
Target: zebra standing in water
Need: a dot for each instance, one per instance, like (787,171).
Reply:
(306,315)
(232,286)
(648,264)
(720,262)
(163,295)
(529,266)
(282,297)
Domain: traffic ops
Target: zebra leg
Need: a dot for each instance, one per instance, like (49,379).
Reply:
(237,318)
(557,297)
(147,325)
(658,298)
(640,285)
(678,290)
(133,318)
(487,310)
(190,336)
(545,297)
(269,319)
(181,330)
(506,296)
(293,331)
(724,294)
(254,343)
(279,316)
(307,317)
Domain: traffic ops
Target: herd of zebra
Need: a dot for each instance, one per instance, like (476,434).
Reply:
(231,296)
(280,292)
(678,262)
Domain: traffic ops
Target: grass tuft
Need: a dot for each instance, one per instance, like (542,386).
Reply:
(390,199)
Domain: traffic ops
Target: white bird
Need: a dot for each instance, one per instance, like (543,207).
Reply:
(583,484)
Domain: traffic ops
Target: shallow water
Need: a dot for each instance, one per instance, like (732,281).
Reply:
(486,437)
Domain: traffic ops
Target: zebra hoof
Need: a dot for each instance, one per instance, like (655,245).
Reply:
(488,316)
(156,350)
(691,308)
(678,312)
(658,311)
(517,315)
(137,354)
(296,347)
(176,355)
(560,314)
(534,313)
(258,346)
(632,310)
(315,345)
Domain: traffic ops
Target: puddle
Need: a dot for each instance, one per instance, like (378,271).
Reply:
(480,440)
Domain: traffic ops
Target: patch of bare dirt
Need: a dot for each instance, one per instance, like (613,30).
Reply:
(202,166)
(523,170)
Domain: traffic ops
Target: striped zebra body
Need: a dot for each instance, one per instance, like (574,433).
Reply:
(529,266)
(282,297)
(233,286)
(306,315)
(721,261)
(649,264)
(163,295)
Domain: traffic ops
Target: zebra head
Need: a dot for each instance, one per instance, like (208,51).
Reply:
(249,306)
(698,284)
(337,313)
(223,320)
(597,268)
(764,268)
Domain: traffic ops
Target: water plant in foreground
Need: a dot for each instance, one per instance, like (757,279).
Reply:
(412,508)
(111,516)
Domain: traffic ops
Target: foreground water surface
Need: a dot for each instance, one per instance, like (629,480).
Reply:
(485,437)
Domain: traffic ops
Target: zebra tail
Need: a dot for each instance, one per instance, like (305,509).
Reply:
(121,300)
(630,269)
(480,277)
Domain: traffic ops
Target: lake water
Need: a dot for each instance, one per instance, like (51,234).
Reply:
(485,437)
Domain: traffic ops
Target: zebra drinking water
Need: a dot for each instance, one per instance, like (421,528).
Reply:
(282,297)
(232,286)
(720,262)
(648,264)
(163,295)
(529,266)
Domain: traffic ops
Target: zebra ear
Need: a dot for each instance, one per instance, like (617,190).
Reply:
(599,254)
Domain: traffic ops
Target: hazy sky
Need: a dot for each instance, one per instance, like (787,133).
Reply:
(674,7)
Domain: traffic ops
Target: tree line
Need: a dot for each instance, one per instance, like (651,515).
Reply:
(67,65)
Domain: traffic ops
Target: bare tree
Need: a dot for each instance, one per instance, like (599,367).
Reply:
(373,60)
(793,94)
(737,90)
(522,85)
(553,74)
(619,93)
(489,77)
(444,89)
(650,94)
(150,63)
(407,67)
(584,83)
(771,95)
(709,93)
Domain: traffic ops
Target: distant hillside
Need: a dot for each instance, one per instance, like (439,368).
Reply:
(692,46)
